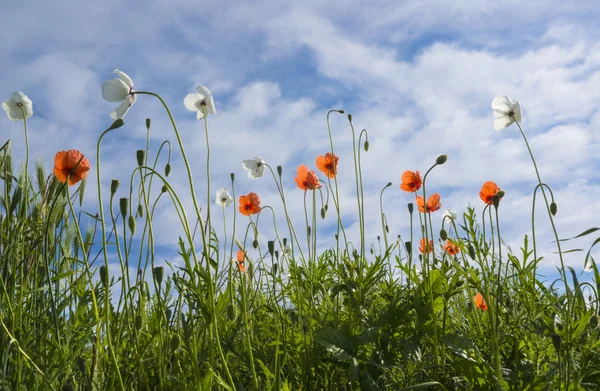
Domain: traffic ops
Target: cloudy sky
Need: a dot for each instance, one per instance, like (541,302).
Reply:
(419,76)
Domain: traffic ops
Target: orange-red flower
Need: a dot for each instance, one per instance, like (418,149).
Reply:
(307,180)
(451,248)
(433,203)
(425,247)
(480,302)
(249,204)
(488,191)
(71,162)
(411,181)
(328,164)
(240,255)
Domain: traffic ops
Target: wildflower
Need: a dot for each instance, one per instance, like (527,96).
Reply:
(506,111)
(451,248)
(249,204)
(411,181)
(13,106)
(201,101)
(433,203)
(255,167)
(425,247)
(71,162)
(488,191)
(450,214)
(223,197)
(328,164)
(119,90)
(305,179)
(480,302)
(240,255)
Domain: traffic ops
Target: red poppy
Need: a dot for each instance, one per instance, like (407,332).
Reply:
(71,162)
(480,302)
(327,165)
(240,255)
(411,181)
(249,204)
(307,180)
(433,203)
(425,248)
(488,191)
(451,248)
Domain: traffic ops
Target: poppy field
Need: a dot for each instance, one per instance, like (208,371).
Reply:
(431,309)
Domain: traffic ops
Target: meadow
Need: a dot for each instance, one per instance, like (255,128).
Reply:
(452,309)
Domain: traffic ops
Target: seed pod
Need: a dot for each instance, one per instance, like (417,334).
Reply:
(279,170)
(114,185)
(164,188)
(411,207)
(441,159)
(366,145)
(443,234)
(138,322)
(104,275)
(271,247)
(277,255)
(255,243)
(159,273)
(408,246)
(148,122)
(168,314)
(167,169)
(284,242)
(275,268)
(232,176)
(124,206)
(140,154)
(553,208)
(131,223)
(140,210)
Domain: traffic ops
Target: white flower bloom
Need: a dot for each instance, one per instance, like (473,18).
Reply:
(119,90)
(255,167)
(202,97)
(588,266)
(286,250)
(223,197)
(506,111)
(13,106)
(450,213)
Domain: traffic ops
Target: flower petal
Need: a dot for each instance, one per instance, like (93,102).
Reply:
(502,103)
(123,108)
(210,106)
(126,79)
(501,123)
(517,111)
(250,164)
(202,90)
(191,101)
(115,90)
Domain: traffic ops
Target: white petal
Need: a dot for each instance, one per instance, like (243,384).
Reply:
(123,108)
(250,164)
(115,90)
(499,114)
(123,76)
(502,123)
(517,110)
(200,114)
(190,102)
(502,103)
(21,97)
(201,90)
(210,106)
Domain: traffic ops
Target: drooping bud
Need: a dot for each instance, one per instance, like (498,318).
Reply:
(175,342)
(167,169)
(496,201)
(131,223)
(341,111)
(350,117)
(140,210)
(410,207)
(117,124)
(441,159)
(553,208)
(366,145)
(104,275)
(114,186)
(124,206)
(255,243)
(164,188)
(159,273)
(443,234)
(271,247)
(140,155)
(326,207)
(323,213)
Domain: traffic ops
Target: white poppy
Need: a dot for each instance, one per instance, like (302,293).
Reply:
(202,97)
(119,90)
(223,197)
(13,106)
(506,111)
(450,213)
(255,167)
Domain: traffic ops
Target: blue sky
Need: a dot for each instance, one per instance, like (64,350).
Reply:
(419,76)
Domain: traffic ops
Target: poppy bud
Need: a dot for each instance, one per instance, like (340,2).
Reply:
(553,208)
(131,223)
(341,111)
(410,207)
(232,176)
(326,207)
(232,312)
(496,201)
(140,210)
(408,246)
(167,169)
(500,193)
(366,145)
(255,243)
(387,229)
(175,341)
(114,186)
(308,231)
(117,124)
(164,188)
(104,275)
(471,252)
(323,213)
(168,314)
(138,322)
(124,206)
(140,155)
(443,234)
(68,387)
(275,267)
(159,272)
(459,283)
(441,159)
(350,117)
(335,236)
(271,247)
(277,255)
(372,251)
(148,123)
(378,238)
(284,241)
